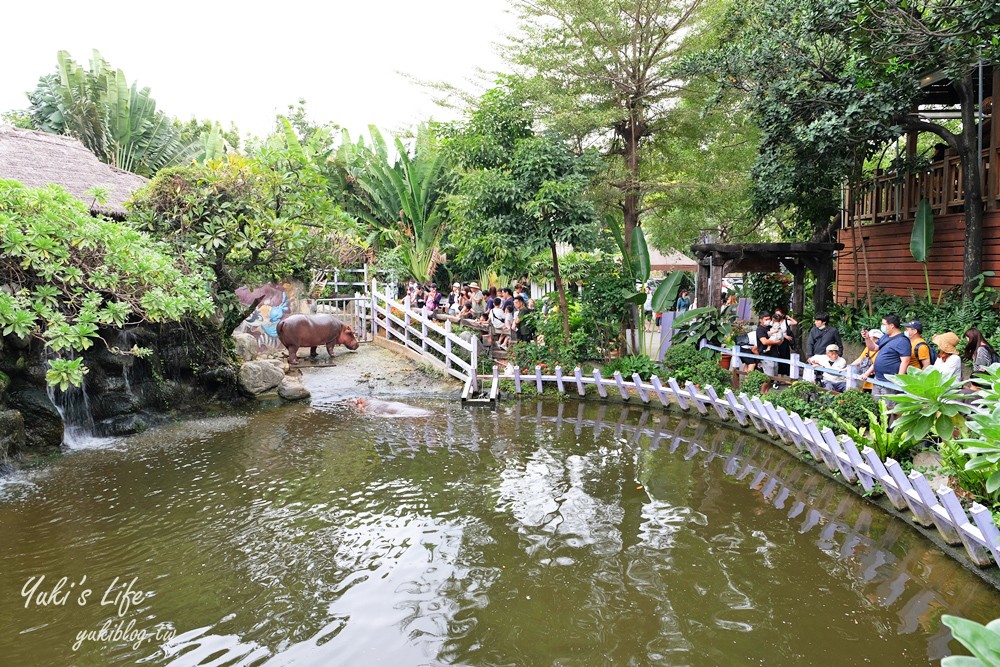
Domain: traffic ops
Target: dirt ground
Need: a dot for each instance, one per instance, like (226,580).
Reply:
(372,371)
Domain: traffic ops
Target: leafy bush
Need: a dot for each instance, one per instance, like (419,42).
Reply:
(752,383)
(805,398)
(680,360)
(604,305)
(886,441)
(769,290)
(710,373)
(853,406)
(527,355)
(627,366)
(70,273)
(253,220)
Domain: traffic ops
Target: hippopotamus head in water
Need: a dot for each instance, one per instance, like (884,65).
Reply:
(313,331)
(387,408)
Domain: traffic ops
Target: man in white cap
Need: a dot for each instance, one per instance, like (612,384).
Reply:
(831,359)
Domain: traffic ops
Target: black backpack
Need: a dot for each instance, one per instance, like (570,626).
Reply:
(930,349)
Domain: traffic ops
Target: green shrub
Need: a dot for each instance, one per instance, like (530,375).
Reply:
(769,290)
(710,373)
(680,360)
(752,383)
(853,406)
(527,355)
(627,366)
(805,398)
(66,274)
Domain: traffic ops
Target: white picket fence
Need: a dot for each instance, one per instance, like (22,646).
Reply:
(908,493)
(434,341)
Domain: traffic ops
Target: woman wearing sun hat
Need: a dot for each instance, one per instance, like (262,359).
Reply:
(948,361)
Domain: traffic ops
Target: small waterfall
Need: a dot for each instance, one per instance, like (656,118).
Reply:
(78,422)
(73,406)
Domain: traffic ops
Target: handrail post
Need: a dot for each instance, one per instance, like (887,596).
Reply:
(474,371)
(447,344)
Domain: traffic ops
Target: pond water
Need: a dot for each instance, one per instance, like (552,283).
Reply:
(540,534)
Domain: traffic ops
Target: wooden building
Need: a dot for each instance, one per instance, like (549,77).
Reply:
(878,216)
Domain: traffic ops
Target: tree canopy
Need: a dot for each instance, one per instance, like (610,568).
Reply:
(252,219)
(602,74)
(831,81)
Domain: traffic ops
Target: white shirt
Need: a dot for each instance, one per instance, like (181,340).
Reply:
(825,361)
(950,367)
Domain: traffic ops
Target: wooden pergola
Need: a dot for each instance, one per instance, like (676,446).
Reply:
(716,260)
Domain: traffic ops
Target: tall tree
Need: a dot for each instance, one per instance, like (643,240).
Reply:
(529,191)
(702,167)
(602,72)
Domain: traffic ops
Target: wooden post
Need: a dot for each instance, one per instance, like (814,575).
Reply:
(474,364)
(701,294)
(718,273)
(798,289)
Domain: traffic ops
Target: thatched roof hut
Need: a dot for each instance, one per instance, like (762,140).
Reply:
(38,158)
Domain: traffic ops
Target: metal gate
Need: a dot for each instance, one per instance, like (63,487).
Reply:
(354,311)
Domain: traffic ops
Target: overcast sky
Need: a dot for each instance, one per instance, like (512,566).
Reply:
(246,61)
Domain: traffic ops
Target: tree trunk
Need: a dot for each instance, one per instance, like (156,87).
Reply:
(631,132)
(563,306)
(972,182)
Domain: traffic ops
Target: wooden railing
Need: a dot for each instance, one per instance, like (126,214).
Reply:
(911,493)
(434,341)
(892,197)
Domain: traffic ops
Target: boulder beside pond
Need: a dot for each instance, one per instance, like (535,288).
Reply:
(258,377)
(246,346)
(12,436)
(292,389)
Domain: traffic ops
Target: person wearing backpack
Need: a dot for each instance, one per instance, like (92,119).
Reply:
(979,351)
(923,355)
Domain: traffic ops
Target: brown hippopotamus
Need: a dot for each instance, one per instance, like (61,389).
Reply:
(312,331)
(388,408)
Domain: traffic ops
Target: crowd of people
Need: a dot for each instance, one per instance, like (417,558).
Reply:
(501,311)
(888,350)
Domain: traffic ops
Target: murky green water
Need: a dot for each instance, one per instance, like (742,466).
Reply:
(315,536)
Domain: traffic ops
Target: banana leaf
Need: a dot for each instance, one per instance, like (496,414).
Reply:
(922,238)
(665,295)
(640,254)
(923,232)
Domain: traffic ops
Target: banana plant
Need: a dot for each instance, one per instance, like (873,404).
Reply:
(637,267)
(403,201)
(116,121)
(922,238)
